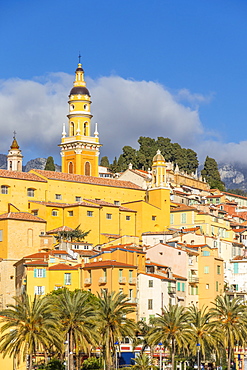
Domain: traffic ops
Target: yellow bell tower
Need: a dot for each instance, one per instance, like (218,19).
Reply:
(79,150)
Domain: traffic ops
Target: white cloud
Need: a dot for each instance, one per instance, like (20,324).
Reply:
(124,110)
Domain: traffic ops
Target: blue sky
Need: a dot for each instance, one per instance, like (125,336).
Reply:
(171,68)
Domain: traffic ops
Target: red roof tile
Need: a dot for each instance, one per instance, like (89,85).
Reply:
(63,266)
(52,175)
(20,175)
(64,205)
(61,228)
(37,263)
(24,216)
(161,277)
(107,263)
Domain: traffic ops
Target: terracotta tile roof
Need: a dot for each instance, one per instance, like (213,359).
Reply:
(239,258)
(61,228)
(168,232)
(64,205)
(125,209)
(128,247)
(181,207)
(240,230)
(155,264)
(190,229)
(58,251)
(21,175)
(141,173)
(102,202)
(37,263)
(63,266)
(52,175)
(85,253)
(37,255)
(196,245)
(177,277)
(107,263)
(161,277)
(215,196)
(235,195)
(24,216)
(111,235)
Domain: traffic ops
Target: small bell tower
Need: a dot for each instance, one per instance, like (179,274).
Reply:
(80,150)
(14,157)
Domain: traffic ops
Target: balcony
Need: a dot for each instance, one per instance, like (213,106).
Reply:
(122,280)
(171,290)
(133,300)
(193,279)
(87,281)
(102,280)
(132,281)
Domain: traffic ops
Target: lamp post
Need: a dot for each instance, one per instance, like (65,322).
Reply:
(198,356)
(160,344)
(116,344)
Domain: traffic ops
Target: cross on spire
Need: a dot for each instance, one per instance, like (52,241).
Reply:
(79,57)
(14,134)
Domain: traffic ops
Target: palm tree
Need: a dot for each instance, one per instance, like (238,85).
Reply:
(76,314)
(203,336)
(112,312)
(142,362)
(27,327)
(230,322)
(171,328)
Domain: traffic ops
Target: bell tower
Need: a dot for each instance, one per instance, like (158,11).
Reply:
(14,157)
(80,150)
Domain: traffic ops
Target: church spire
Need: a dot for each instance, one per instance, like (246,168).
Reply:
(14,157)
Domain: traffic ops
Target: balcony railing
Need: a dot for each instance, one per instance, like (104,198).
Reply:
(87,281)
(132,281)
(102,280)
(193,279)
(171,290)
(122,280)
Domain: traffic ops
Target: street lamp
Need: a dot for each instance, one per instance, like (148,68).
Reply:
(160,344)
(198,356)
(116,344)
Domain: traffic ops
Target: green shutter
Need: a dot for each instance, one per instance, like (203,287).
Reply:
(235,266)
(44,273)
(183,287)
(178,286)
(35,272)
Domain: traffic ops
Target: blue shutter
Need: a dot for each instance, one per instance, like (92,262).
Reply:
(235,266)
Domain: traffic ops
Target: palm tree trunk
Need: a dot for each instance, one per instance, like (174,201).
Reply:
(30,367)
(173,355)
(71,359)
(229,358)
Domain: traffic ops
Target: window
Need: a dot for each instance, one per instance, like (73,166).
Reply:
(87,169)
(171,219)
(218,269)
(127,218)
(67,278)
(35,212)
(207,286)
(217,286)
(235,268)
(206,269)
(153,218)
(178,286)
(150,283)
(183,218)
(116,202)
(90,213)
(109,216)
(39,290)
(58,196)
(1,235)
(150,304)
(4,189)
(71,166)
(70,213)
(130,294)
(205,253)
(54,213)
(78,199)
(30,192)
(39,273)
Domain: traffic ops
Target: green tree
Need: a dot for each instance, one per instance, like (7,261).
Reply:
(113,323)
(203,337)
(104,162)
(211,174)
(28,327)
(77,317)
(72,235)
(230,322)
(148,148)
(171,329)
(50,166)
(142,362)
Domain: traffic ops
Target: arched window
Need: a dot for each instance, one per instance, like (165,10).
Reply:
(85,129)
(10,165)
(87,169)
(71,167)
(72,129)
